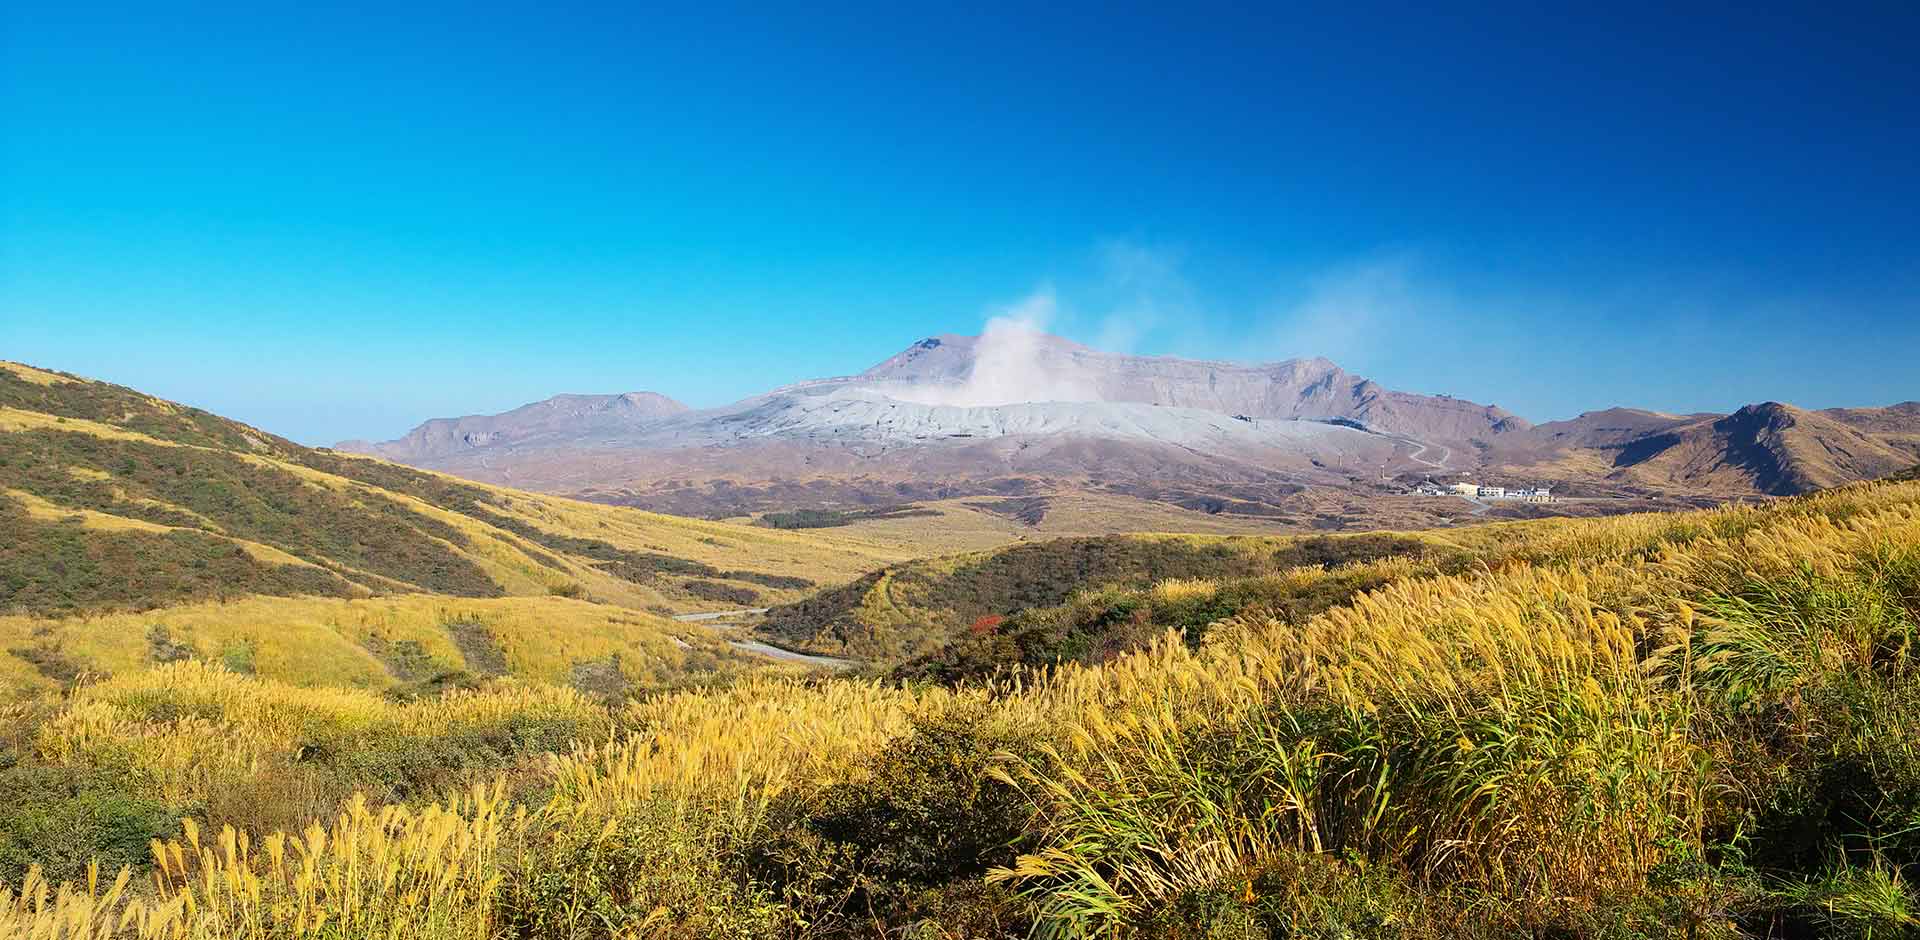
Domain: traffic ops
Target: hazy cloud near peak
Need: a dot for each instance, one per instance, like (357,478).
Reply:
(1144,291)
(1349,311)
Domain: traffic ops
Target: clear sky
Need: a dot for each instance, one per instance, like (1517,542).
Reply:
(335,220)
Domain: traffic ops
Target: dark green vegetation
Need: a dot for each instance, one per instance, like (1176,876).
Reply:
(363,536)
(60,565)
(1100,625)
(62,819)
(829,518)
(723,593)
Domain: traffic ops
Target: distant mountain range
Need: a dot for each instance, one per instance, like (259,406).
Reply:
(1016,411)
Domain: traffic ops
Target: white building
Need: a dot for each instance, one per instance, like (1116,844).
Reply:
(1491,492)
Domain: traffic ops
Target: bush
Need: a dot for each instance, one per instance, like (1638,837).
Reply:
(648,871)
(911,839)
(60,818)
(723,593)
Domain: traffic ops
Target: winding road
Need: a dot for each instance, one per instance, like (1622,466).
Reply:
(1420,456)
(758,648)
(775,652)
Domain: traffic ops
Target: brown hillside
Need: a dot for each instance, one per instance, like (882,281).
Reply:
(1768,448)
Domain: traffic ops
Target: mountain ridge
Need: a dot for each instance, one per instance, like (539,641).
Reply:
(1017,408)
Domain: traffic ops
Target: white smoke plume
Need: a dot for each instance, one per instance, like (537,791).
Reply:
(1012,363)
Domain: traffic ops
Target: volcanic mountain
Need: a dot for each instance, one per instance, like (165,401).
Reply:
(1016,411)
(957,415)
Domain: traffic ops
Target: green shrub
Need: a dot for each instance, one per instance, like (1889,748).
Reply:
(723,593)
(61,818)
(650,867)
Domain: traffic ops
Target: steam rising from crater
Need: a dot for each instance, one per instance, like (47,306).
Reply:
(1011,365)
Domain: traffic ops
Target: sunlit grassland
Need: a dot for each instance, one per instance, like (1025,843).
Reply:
(32,375)
(317,641)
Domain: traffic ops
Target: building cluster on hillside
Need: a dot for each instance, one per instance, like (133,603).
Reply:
(1533,494)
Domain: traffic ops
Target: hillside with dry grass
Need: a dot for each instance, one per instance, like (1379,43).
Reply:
(1667,725)
(135,531)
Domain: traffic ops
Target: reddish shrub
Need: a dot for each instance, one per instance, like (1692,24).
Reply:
(988,624)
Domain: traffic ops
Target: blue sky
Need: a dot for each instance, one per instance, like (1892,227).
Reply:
(335,220)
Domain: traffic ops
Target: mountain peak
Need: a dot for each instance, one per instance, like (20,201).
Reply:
(566,413)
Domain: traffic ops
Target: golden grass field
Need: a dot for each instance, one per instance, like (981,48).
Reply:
(323,641)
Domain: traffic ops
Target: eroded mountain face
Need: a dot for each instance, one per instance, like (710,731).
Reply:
(976,370)
(1020,410)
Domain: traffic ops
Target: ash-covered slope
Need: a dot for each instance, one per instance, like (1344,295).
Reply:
(1013,367)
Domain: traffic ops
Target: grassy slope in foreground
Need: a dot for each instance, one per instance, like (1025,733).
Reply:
(114,502)
(1576,736)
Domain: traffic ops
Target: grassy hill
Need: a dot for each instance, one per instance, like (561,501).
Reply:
(1698,725)
(979,605)
(910,609)
(115,505)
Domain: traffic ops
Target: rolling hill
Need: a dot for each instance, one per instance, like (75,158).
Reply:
(134,530)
